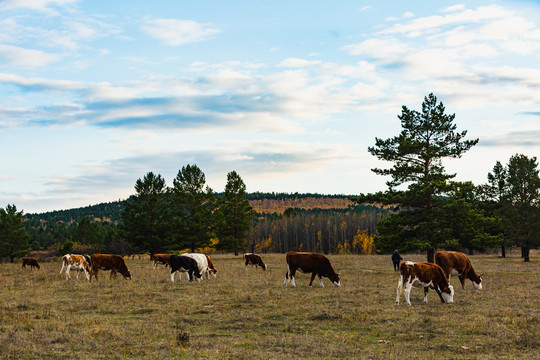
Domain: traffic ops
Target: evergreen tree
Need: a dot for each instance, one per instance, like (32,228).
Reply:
(427,137)
(145,221)
(13,236)
(88,232)
(234,215)
(192,209)
(521,209)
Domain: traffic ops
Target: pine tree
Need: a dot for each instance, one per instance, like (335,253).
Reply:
(234,215)
(192,209)
(427,137)
(13,236)
(145,223)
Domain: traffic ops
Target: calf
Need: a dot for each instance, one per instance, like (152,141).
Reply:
(212,271)
(30,261)
(456,263)
(161,259)
(426,275)
(254,260)
(76,262)
(184,264)
(317,264)
(115,263)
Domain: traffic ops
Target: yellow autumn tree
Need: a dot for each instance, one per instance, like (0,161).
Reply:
(363,243)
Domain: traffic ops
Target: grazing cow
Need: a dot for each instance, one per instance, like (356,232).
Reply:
(456,263)
(76,262)
(202,263)
(184,264)
(426,275)
(161,259)
(115,263)
(212,271)
(317,264)
(30,261)
(254,260)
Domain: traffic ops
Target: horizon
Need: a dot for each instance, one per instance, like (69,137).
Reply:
(95,94)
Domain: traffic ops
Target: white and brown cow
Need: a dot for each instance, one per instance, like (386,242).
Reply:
(33,263)
(212,271)
(254,260)
(456,263)
(114,263)
(76,262)
(426,275)
(306,262)
(161,259)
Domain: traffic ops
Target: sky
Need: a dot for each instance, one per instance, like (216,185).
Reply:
(289,94)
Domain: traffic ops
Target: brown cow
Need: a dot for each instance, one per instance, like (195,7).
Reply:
(30,261)
(426,275)
(211,271)
(456,263)
(76,262)
(314,263)
(254,259)
(109,262)
(161,259)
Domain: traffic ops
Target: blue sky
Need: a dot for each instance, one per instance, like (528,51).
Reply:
(95,94)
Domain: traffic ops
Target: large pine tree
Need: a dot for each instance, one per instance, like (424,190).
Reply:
(427,137)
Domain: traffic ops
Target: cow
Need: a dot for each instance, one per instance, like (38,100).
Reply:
(115,263)
(184,264)
(160,259)
(456,263)
(426,275)
(30,261)
(76,262)
(314,263)
(254,260)
(202,264)
(212,271)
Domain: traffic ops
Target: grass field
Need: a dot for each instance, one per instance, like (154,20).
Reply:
(250,315)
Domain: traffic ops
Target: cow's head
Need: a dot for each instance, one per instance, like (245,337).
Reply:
(448,294)
(335,279)
(477,282)
(265,266)
(126,273)
(213,273)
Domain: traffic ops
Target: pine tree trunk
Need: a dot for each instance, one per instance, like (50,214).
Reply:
(525,253)
(431,256)
(503,251)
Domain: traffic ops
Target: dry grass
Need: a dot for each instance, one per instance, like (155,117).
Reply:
(249,314)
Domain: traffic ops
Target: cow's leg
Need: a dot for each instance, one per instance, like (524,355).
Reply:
(155,265)
(190,275)
(286,276)
(77,272)
(312,278)
(320,281)
(462,280)
(407,292)
(439,293)
(292,274)
(399,289)
(62,267)
(426,289)
(172,274)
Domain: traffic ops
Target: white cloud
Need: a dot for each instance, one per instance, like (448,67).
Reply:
(14,55)
(175,32)
(44,6)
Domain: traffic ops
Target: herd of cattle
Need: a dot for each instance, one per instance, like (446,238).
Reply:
(422,274)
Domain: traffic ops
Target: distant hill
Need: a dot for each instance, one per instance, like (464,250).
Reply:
(262,203)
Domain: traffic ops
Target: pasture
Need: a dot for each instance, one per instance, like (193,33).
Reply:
(250,315)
